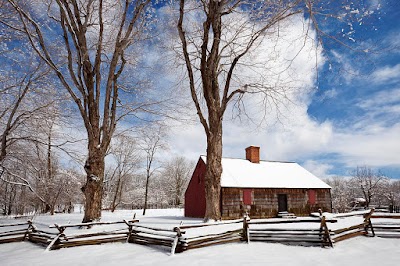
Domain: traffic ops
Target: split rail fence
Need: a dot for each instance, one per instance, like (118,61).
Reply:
(186,237)
(261,230)
(355,230)
(221,237)
(386,229)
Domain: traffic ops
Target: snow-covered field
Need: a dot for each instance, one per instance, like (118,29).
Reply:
(357,251)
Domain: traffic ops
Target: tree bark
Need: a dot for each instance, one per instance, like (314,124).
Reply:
(146,192)
(93,189)
(117,194)
(213,172)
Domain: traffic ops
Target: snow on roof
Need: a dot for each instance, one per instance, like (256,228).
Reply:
(245,174)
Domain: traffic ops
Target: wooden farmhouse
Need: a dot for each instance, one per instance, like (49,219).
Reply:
(260,188)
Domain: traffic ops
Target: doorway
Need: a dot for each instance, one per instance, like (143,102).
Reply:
(282,202)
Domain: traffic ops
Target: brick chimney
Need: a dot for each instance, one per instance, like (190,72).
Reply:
(253,154)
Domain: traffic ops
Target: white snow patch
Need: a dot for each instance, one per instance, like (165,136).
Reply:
(245,174)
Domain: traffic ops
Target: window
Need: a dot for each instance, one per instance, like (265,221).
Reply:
(247,196)
(311,197)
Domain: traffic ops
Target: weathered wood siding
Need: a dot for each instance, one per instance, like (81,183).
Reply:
(264,202)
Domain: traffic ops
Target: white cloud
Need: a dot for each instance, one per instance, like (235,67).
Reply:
(381,98)
(387,74)
(376,147)
(319,169)
(329,94)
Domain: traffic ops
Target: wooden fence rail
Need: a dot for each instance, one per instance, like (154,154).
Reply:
(145,235)
(211,239)
(386,229)
(355,230)
(14,232)
(181,238)
(61,240)
(314,236)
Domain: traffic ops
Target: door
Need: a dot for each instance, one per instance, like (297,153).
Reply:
(282,202)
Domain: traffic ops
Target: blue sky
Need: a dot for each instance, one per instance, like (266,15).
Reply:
(352,116)
(367,102)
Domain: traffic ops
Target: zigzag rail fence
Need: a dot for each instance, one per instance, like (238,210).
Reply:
(55,240)
(182,238)
(216,238)
(386,228)
(261,230)
(355,230)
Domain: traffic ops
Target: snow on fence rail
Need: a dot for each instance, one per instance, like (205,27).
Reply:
(145,235)
(53,240)
(385,228)
(355,230)
(62,240)
(217,233)
(13,232)
(185,237)
(308,236)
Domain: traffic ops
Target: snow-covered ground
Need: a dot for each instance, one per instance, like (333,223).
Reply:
(357,251)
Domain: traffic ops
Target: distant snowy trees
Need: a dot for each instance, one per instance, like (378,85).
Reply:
(366,187)
(119,175)
(371,184)
(31,175)
(176,175)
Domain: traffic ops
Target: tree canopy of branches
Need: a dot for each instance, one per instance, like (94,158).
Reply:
(176,174)
(88,45)
(151,142)
(369,182)
(125,156)
(218,42)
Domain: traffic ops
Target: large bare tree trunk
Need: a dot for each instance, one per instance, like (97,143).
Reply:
(93,189)
(213,171)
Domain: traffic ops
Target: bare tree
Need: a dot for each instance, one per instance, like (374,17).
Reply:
(369,182)
(16,110)
(218,42)
(125,161)
(342,193)
(175,174)
(151,140)
(88,50)
(391,192)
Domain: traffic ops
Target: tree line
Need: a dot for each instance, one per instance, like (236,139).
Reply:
(365,188)
(33,180)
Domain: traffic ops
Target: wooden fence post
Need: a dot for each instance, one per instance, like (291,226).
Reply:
(246,234)
(175,244)
(326,236)
(55,240)
(129,229)
(31,228)
(367,222)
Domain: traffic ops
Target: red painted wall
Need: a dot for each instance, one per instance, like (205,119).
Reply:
(195,197)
